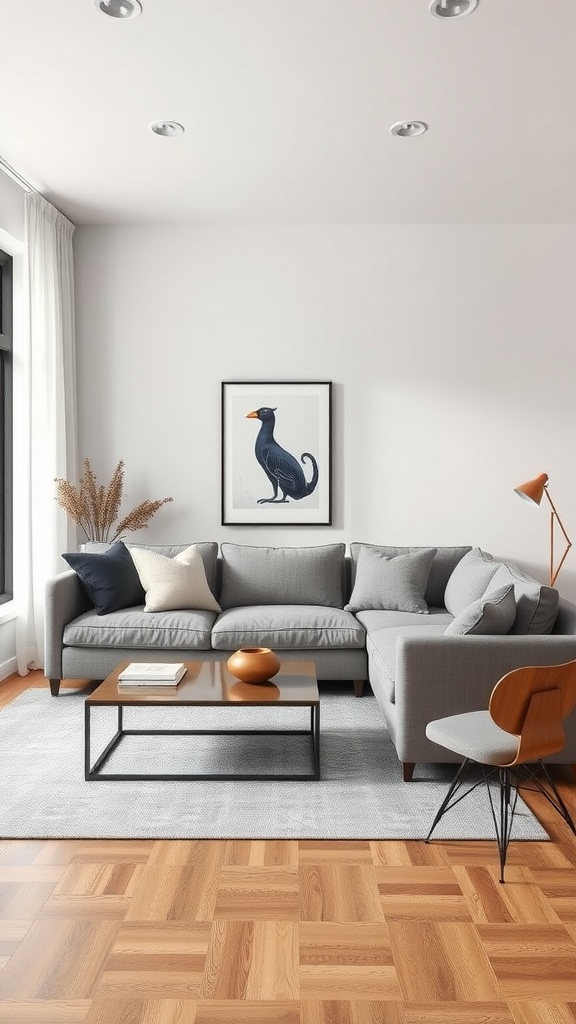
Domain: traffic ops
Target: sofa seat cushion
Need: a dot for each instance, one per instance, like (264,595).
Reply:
(135,628)
(381,647)
(264,575)
(286,628)
(374,619)
(536,604)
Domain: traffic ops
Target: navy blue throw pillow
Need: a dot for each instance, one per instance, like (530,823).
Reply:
(110,579)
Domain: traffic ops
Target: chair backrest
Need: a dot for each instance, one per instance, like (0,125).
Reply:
(532,703)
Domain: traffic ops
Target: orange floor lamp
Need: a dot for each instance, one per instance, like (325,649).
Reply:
(533,491)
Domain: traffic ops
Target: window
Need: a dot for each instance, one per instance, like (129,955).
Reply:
(5,427)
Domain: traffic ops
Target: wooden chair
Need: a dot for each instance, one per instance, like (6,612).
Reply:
(523,724)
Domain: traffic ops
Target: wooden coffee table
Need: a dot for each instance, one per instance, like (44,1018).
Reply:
(207,684)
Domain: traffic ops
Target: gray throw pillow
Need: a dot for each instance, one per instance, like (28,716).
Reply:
(394,584)
(469,580)
(443,564)
(266,575)
(493,613)
(536,604)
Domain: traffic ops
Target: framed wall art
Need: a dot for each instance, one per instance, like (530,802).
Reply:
(276,453)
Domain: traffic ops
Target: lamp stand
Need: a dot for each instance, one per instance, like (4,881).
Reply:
(555,517)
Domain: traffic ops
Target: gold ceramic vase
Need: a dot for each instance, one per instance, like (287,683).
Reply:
(253,664)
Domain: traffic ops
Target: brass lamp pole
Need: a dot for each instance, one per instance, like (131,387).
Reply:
(533,491)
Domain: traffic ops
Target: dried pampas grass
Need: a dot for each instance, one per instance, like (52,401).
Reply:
(96,508)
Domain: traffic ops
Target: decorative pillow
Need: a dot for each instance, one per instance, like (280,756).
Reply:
(394,584)
(469,580)
(443,564)
(493,613)
(171,583)
(207,548)
(266,575)
(536,604)
(110,579)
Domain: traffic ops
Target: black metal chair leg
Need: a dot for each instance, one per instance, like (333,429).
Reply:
(454,785)
(507,809)
(561,808)
(503,833)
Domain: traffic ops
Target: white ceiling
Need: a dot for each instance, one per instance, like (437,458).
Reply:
(287,106)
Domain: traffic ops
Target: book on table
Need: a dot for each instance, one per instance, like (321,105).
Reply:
(144,673)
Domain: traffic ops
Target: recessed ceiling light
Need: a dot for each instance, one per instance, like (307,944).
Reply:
(452,8)
(167,128)
(406,129)
(119,8)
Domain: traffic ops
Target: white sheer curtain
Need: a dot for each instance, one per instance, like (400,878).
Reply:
(48,427)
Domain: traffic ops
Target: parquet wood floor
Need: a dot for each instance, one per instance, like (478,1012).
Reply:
(287,932)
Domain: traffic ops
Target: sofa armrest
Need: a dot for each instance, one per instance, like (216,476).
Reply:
(65,599)
(448,675)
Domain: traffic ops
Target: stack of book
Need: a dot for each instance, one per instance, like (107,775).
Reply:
(150,673)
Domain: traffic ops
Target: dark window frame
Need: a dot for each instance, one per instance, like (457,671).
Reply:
(6,449)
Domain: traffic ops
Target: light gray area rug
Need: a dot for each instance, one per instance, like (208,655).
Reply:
(360,796)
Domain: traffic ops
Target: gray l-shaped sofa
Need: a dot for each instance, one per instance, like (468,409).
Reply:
(340,611)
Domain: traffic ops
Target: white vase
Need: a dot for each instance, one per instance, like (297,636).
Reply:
(95,547)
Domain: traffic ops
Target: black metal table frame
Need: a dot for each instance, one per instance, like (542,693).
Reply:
(93,773)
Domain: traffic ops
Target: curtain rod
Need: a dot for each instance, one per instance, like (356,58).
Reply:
(17,177)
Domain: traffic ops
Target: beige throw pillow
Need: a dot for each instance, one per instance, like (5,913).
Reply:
(172,583)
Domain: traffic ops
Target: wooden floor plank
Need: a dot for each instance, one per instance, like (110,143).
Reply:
(142,1011)
(442,962)
(58,960)
(49,1011)
(363,1011)
(258,892)
(230,1011)
(339,892)
(459,1013)
(531,962)
(541,1011)
(252,960)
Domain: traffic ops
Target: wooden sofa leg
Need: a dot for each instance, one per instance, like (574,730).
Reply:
(54,687)
(358,687)
(408,770)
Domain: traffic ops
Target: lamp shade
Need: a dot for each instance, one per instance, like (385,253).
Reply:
(533,490)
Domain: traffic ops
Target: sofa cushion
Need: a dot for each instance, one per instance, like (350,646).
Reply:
(133,628)
(295,575)
(493,614)
(397,584)
(372,620)
(287,627)
(207,548)
(469,580)
(172,583)
(109,578)
(381,647)
(536,604)
(443,564)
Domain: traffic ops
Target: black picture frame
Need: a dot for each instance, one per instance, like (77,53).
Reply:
(277,470)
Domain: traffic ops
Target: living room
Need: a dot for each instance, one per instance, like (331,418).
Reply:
(288,235)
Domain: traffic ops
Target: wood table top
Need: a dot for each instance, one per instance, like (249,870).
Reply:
(210,683)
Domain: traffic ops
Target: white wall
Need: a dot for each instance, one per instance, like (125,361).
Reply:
(11,235)
(451,348)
